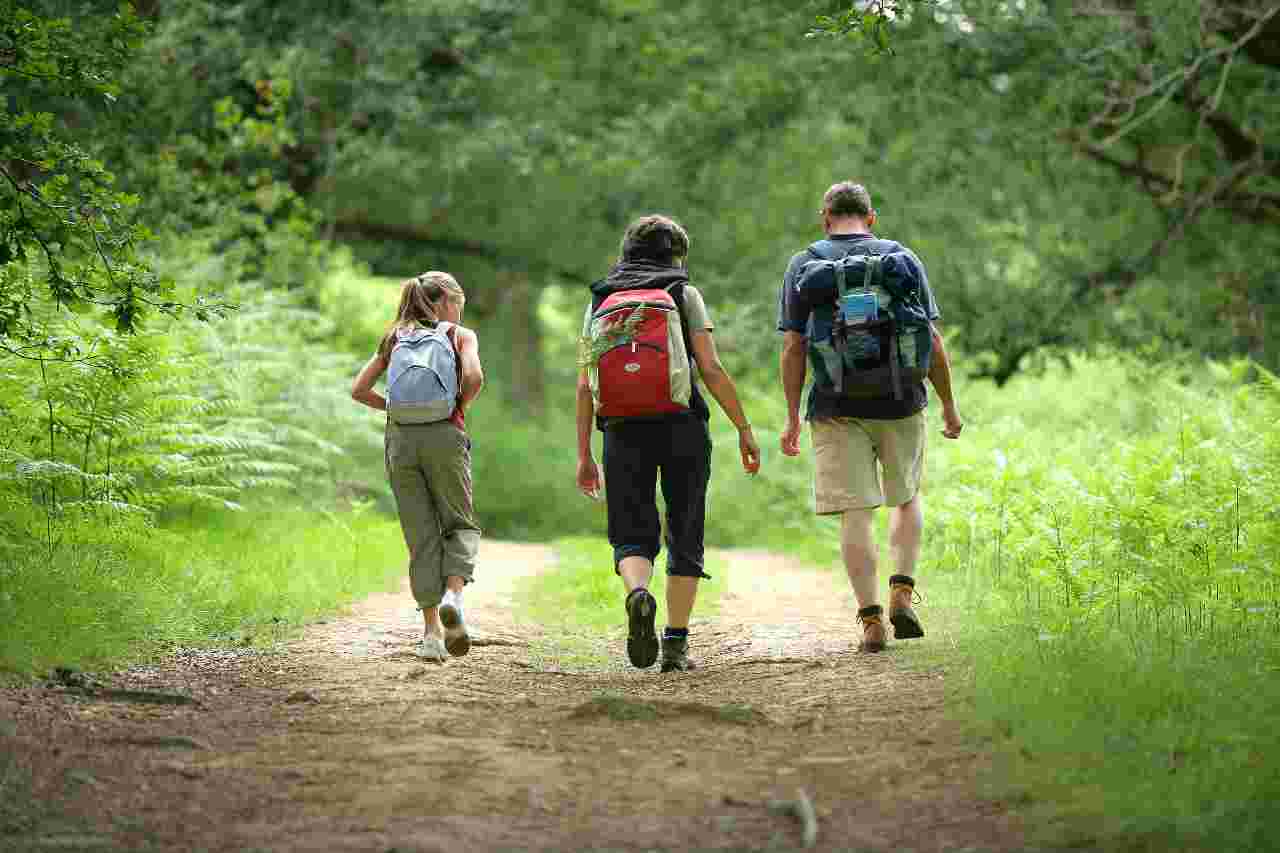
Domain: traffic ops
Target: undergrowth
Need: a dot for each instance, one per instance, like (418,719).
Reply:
(116,592)
(1112,527)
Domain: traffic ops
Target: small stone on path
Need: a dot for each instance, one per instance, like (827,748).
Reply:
(299,696)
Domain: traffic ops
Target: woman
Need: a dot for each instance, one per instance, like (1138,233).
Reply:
(649,436)
(429,459)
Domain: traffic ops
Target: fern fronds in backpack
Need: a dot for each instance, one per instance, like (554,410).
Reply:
(590,350)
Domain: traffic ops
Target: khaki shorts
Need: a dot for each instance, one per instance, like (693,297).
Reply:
(862,464)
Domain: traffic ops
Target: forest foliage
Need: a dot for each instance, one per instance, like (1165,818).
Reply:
(1077,176)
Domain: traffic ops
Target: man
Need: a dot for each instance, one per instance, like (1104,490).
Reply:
(624,370)
(868,450)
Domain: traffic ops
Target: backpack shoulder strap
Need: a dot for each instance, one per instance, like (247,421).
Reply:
(828,251)
(822,250)
(676,289)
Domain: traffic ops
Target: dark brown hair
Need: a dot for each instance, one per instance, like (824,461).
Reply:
(654,238)
(847,199)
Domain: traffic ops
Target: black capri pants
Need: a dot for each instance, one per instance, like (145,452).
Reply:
(636,453)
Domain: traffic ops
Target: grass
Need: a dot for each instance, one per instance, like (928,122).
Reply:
(1111,531)
(580,600)
(1170,747)
(124,591)
(624,709)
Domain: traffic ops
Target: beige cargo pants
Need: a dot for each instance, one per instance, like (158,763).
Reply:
(429,466)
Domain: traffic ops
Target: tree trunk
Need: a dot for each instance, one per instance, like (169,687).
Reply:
(528,381)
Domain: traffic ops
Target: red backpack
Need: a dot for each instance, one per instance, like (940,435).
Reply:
(636,359)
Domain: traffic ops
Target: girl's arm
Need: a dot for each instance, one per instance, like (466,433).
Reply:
(362,389)
(472,379)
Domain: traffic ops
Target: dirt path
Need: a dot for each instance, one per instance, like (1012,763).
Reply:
(343,741)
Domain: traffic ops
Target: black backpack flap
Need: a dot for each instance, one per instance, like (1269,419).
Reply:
(817,277)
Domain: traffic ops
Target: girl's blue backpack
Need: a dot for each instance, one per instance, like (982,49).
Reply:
(422,379)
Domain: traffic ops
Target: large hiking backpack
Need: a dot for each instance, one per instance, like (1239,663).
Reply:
(636,358)
(422,379)
(876,340)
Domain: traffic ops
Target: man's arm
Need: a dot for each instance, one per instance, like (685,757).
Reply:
(472,379)
(588,471)
(940,378)
(793,365)
(721,386)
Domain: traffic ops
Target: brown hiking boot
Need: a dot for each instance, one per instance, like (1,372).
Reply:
(873,633)
(906,625)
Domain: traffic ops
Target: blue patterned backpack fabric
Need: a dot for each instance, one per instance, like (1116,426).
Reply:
(422,379)
(869,332)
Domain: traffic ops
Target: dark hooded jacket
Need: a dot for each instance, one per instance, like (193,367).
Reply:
(640,275)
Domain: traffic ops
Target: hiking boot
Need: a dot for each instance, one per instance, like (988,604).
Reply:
(906,625)
(675,655)
(456,639)
(642,640)
(431,648)
(873,633)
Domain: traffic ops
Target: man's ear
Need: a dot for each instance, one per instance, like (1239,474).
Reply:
(871,220)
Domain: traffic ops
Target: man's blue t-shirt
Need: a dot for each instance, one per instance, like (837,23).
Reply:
(794,308)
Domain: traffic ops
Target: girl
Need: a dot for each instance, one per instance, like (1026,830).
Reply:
(429,465)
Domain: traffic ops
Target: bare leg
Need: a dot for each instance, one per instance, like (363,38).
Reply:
(455,583)
(858,547)
(431,622)
(906,523)
(681,592)
(636,572)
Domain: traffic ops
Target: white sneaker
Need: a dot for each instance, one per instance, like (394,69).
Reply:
(456,638)
(430,648)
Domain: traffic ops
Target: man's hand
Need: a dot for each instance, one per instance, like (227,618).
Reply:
(589,478)
(951,423)
(791,437)
(749,449)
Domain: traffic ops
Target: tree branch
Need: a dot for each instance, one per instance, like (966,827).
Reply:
(403,233)
(1257,206)
(1264,49)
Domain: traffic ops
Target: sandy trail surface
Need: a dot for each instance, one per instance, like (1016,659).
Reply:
(341,740)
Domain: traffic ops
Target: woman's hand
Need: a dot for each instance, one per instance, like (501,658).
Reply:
(589,482)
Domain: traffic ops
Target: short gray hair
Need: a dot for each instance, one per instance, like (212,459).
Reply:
(847,199)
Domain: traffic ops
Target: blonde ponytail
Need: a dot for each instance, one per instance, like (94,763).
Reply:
(420,300)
